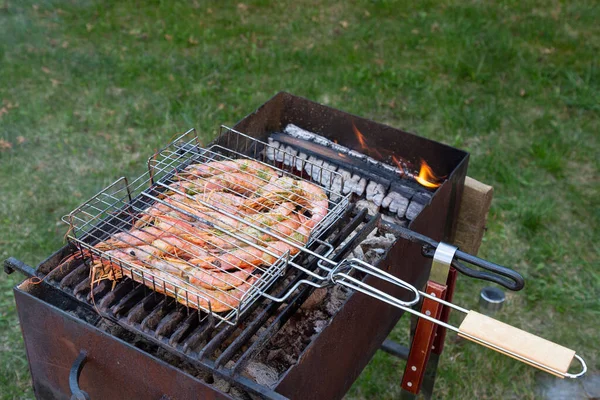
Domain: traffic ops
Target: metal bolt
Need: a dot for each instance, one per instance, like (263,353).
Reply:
(428,312)
(413,368)
(409,384)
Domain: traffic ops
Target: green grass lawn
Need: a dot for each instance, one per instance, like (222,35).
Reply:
(89,89)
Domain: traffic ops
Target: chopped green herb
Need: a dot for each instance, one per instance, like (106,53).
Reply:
(263,175)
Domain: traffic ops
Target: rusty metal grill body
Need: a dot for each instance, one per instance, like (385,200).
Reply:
(154,325)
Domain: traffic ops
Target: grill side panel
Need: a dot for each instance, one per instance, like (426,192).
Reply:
(114,369)
(347,344)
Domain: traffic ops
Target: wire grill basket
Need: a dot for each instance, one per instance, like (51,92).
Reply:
(121,210)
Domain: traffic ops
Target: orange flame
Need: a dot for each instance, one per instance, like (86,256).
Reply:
(363,143)
(426,176)
(360,137)
(397,162)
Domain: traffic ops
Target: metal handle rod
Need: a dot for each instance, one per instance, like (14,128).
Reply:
(371,291)
(367,268)
(287,294)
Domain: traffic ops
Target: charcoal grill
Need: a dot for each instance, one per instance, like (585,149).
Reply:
(65,300)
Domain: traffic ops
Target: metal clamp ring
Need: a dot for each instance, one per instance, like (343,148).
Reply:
(442,260)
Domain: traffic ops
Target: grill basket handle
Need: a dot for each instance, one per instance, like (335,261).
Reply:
(516,343)
(506,339)
(340,274)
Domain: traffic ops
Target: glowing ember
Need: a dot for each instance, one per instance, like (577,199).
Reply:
(426,176)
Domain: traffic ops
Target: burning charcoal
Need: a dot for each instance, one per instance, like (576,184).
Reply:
(316,169)
(345,177)
(271,149)
(339,148)
(280,153)
(360,186)
(378,199)
(349,181)
(399,206)
(413,210)
(371,190)
(309,164)
(357,154)
(336,185)
(371,207)
(381,242)
(326,176)
(290,155)
(222,385)
(320,325)
(373,255)
(393,219)
(374,189)
(402,207)
(388,199)
(262,374)
(358,253)
(300,161)
(315,299)
(403,189)
(322,141)
(396,203)
(422,197)
(299,133)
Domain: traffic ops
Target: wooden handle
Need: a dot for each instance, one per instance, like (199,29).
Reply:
(552,357)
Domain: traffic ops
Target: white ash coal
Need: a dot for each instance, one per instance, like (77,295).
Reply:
(373,247)
(262,374)
(386,215)
(396,200)
(284,350)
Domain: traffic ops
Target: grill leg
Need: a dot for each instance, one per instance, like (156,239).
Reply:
(423,378)
(404,395)
(438,342)
(423,340)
